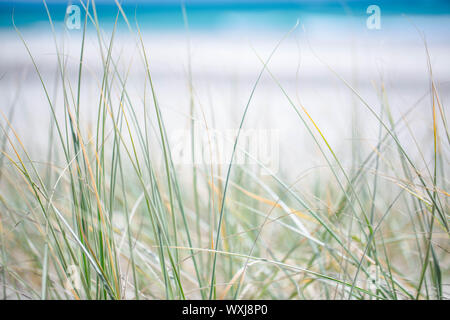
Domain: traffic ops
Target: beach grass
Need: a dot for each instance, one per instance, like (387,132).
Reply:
(103,218)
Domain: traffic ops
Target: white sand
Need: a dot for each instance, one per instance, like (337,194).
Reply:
(225,67)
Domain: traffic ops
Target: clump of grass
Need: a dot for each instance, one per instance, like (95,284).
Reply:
(103,219)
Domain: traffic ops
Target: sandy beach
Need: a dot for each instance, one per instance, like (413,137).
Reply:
(225,66)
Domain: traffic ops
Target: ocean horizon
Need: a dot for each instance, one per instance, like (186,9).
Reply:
(214,15)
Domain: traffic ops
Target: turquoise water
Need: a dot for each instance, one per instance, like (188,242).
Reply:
(213,15)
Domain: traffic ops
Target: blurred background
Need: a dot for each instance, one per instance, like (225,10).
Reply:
(219,46)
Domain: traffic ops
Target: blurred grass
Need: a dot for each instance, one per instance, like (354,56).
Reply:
(133,229)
